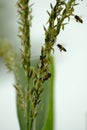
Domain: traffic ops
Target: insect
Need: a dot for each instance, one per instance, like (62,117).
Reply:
(61,47)
(78,19)
(47,77)
(42,57)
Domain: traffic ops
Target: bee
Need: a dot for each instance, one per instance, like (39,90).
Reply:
(47,77)
(61,47)
(42,57)
(78,19)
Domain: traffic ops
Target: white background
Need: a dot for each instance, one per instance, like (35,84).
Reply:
(70,87)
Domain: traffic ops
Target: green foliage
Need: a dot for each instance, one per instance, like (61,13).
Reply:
(45,106)
(50,119)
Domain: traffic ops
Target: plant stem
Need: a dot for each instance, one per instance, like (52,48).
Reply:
(28,108)
(24,11)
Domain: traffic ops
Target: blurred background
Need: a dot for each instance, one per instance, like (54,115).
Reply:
(70,86)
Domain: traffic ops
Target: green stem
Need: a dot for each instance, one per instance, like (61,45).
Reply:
(24,11)
(28,81)
(28,109)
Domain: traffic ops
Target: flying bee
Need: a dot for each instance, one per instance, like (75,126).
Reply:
(61,47)
(78,19)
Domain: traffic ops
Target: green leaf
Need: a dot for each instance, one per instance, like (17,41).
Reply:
(50,119)
(20,113)
(44,119)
